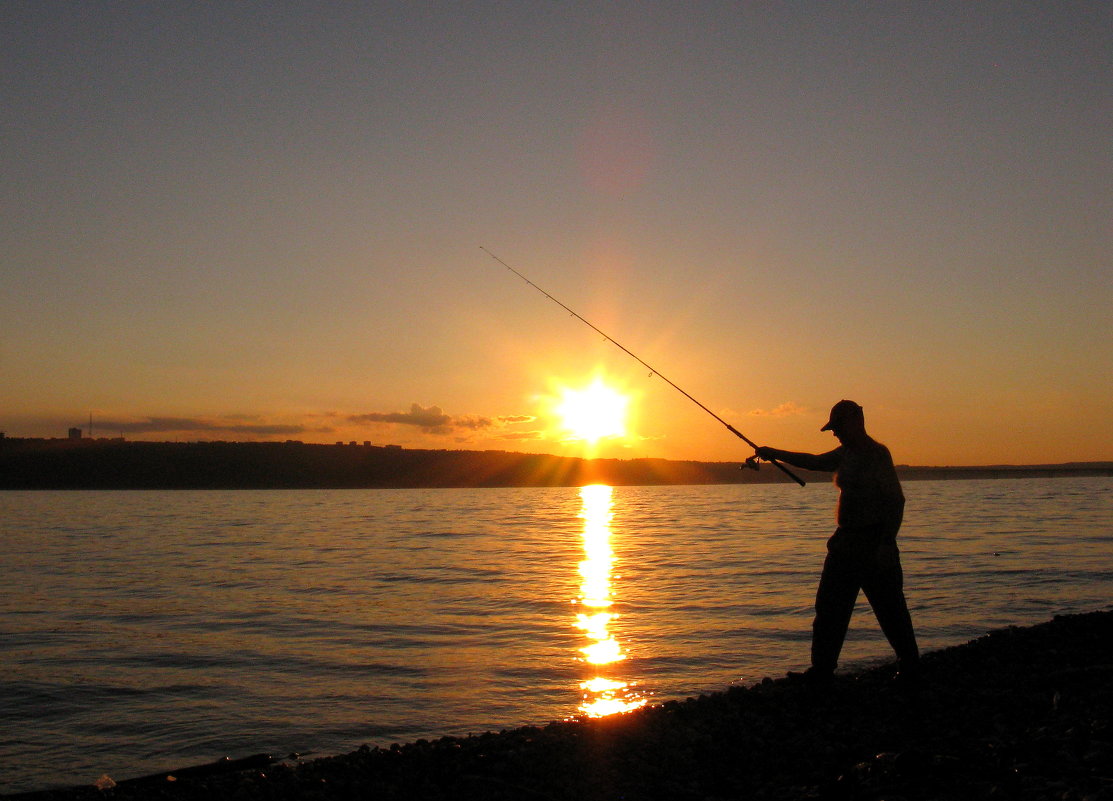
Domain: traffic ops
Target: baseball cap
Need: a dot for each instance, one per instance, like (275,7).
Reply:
(841,411)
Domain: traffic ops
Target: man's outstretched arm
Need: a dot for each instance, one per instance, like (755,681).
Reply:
(824,462)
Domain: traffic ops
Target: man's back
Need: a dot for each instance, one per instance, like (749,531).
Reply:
(870,492)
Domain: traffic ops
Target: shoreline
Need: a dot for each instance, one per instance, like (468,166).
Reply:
(115,464)
(1016,713)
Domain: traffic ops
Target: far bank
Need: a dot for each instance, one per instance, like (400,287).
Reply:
(117,464)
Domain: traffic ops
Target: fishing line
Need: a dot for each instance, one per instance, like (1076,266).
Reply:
(653,371)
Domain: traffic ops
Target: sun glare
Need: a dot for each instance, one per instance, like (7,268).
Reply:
(594,412)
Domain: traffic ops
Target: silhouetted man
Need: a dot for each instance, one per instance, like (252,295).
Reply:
(862,554)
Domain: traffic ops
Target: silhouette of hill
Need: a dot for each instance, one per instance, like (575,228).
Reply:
(116,464)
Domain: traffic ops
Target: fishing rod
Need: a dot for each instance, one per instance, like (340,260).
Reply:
(652,370)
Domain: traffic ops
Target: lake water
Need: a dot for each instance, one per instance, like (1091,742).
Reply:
(145,631)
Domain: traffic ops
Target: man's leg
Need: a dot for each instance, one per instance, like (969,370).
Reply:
(884,589)
(834,604)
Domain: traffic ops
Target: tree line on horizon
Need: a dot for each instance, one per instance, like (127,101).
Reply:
(115,464)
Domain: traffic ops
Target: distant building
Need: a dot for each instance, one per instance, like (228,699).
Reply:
(75,433)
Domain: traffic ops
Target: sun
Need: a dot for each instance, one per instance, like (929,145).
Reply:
(594,412)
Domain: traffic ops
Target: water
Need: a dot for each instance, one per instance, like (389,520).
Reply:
(144,631)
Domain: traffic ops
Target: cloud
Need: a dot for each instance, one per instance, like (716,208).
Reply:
(430,420)
(433,420)
(161,425)
(474,422)
(786,409)
(522,435)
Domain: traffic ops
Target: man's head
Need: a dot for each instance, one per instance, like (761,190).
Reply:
(846,418)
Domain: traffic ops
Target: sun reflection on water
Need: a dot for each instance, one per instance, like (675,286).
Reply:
(602,694)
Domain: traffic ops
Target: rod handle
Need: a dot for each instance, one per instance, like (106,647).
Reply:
(788,472)
(753,445)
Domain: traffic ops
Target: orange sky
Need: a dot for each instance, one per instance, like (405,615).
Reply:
(248,223)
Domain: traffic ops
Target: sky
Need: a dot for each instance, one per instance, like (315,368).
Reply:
(267,221)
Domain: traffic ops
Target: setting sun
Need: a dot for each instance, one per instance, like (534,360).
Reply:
(594,412)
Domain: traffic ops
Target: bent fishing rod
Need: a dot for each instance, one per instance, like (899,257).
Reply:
(652,370)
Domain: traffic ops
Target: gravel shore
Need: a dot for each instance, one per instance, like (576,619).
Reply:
(1021,713)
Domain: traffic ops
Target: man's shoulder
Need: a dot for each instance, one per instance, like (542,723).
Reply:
(879,448)
(883,460)
(872,452)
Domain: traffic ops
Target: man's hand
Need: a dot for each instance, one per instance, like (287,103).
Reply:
(766,453)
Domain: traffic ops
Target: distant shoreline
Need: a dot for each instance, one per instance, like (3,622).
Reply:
(1069,470)
(117,464)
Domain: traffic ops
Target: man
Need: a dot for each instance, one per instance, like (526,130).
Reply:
(862,554)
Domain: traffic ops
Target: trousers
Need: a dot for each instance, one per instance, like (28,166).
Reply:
(861,560)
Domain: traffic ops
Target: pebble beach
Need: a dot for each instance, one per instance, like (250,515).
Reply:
(1018,713)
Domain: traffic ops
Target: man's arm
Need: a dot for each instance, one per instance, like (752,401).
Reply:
(824,462)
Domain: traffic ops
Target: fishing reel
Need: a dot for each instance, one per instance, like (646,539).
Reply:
(752,463)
